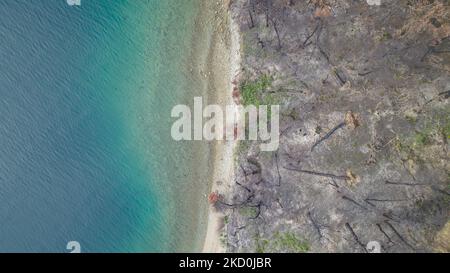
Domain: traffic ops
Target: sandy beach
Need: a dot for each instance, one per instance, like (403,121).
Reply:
(222,156)
(214,63)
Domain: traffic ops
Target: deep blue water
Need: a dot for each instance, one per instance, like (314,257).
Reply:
(71,167)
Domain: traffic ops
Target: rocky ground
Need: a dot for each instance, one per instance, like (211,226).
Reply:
(365,127)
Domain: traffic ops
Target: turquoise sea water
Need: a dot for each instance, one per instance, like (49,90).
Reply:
(85,148)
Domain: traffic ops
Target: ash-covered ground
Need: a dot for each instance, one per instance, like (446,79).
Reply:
(365,127)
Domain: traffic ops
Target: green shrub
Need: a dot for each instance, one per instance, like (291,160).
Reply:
(290,242)
(251,91)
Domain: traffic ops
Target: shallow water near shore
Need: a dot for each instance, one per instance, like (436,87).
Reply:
(86,153)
